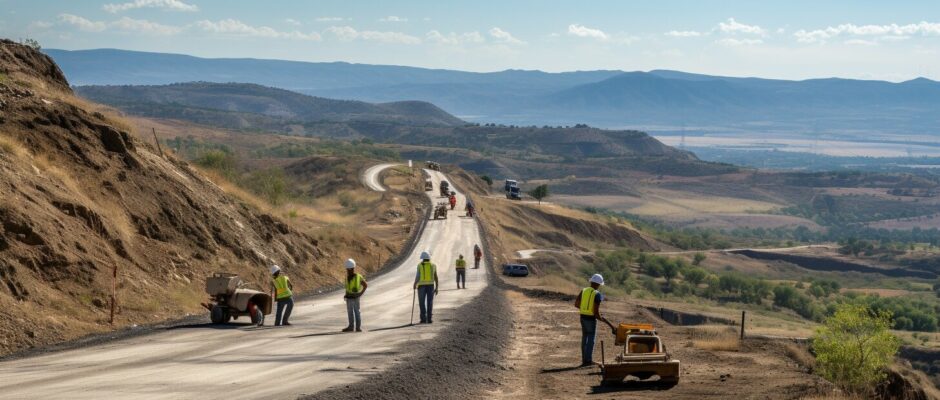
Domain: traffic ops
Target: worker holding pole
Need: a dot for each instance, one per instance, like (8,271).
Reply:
(281,291)
(426,284)
(355,287)
(589,305)
(461,267)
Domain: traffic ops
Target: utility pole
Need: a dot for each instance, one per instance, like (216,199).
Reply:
(743,313)
(157,141)
(113,292)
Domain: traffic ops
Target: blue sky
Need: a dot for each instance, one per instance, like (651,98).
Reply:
(782,39)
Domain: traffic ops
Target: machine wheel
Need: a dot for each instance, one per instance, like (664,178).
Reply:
(257,315)
(218,315)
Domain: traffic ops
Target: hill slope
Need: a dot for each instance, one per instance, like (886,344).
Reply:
(81,197)
(179,100)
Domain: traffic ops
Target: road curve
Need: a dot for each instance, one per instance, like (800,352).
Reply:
(371,177)
(244,362)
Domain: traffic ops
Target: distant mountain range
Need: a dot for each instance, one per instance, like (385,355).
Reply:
(251,106)
(670,100)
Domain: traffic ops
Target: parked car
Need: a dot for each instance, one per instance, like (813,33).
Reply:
(515,270)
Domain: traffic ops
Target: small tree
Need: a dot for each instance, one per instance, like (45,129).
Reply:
(487,179)
(854,346)
(698,258)
(539,193)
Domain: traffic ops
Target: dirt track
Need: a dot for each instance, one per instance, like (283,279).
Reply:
(238,361)
(544,356)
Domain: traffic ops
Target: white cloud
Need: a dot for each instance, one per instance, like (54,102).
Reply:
(82,24)
(294,22)
(392,18)
(504,37)
(348,33)
(732,42)
(40,25)
(454,39)
(236,27)
(861,42)
(684,33)
(583,31)
(173,5)
(881,32)
(732,26)
(329,19)
(144,26)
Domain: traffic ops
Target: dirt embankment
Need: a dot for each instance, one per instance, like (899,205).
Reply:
(827,264)
(82,197)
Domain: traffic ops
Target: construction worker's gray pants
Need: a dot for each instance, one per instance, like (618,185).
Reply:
(352,311)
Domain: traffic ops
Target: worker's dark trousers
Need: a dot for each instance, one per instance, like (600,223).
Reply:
(461,277)
(287,303)
(426,302)
(476,262)
(588,328)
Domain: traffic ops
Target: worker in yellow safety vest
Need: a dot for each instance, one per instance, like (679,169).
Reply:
(426,284)
(281,292)
(589,305)
(461,267)
(355,287)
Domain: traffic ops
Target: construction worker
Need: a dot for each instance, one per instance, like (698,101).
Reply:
(453,200)
(469,208)
(589,305)
(477,255)
(426,284)
(281,292)
(461,267)
(355,287)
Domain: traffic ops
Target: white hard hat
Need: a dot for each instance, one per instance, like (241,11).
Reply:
(425,255)
(598,279)
(275,269)
(350,263)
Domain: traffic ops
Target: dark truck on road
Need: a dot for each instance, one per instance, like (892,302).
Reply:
(512,190)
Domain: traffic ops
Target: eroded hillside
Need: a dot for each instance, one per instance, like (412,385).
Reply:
(82,197)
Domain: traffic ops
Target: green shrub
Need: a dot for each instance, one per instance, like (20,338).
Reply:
(854,347)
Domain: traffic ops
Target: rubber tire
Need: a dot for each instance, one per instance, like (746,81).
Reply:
(218,315)
(257,318)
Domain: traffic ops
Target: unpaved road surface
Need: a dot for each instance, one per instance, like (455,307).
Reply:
(545,354)
(244,362)
(371,177)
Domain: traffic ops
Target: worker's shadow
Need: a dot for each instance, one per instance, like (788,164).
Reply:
(321,334)
(227,326)
(560,369)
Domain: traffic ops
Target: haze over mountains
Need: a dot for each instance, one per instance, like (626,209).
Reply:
(658,100)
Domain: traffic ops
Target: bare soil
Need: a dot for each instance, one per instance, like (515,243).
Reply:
(544,355)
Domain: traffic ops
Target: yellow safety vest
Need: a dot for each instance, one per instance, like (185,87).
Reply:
(426,272)
(588,295)
(461,263)
(354,285)
(281,288)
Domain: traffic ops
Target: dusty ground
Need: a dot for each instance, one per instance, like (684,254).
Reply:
(544,355)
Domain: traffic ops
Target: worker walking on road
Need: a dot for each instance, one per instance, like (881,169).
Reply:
(453,200)
(477,255)
(461,267)
(355,287)
(589,304)
(281,291)
(426,284)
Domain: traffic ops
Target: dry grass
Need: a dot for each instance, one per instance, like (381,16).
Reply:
(11,146)
(801,355)
(715,338)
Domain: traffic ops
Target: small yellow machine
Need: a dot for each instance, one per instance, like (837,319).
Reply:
(643,356)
